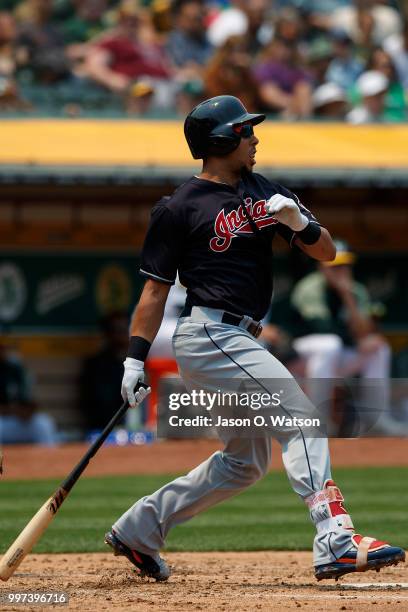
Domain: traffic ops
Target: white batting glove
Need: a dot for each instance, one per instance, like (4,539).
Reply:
(286,211)
(134,373)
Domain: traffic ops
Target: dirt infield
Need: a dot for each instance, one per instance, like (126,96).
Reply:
(29,462)
(210,581)
(206,581)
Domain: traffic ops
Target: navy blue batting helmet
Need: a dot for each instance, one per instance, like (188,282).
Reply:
(209,127)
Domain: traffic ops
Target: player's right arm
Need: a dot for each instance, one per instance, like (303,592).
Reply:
(148,314)
(159,264)
(146,320)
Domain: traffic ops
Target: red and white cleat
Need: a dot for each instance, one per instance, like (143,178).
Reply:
(364,554)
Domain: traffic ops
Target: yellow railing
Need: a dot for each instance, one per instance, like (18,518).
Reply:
(158,144)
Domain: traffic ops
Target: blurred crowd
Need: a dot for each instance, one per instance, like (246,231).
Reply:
(293,59)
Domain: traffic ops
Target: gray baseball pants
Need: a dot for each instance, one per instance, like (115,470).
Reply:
(207,351)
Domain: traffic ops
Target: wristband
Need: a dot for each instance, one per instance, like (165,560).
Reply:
(138,348)
(310,234)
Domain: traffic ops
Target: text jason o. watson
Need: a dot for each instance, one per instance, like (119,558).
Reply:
(257,421)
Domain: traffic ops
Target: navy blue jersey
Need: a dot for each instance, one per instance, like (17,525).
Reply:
(218,238)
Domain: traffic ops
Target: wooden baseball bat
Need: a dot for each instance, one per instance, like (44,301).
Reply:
(40,521)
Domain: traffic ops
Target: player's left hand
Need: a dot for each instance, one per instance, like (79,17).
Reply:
(286,211)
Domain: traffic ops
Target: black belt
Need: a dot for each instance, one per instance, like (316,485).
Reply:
(254,327)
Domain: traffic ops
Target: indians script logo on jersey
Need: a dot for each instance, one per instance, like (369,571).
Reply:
(235,223)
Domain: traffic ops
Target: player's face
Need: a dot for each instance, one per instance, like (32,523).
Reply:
(244,156)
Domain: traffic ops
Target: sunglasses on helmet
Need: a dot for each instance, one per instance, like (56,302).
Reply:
(245,130)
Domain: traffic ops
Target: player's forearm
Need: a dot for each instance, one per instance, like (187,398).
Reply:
(148,314)
(359,325)
(322,250)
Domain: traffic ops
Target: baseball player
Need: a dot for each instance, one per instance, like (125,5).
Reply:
(216,231)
